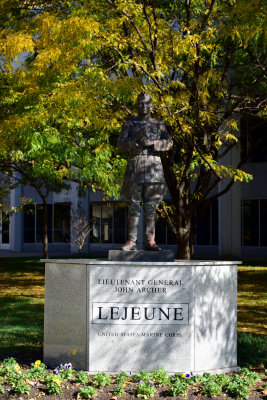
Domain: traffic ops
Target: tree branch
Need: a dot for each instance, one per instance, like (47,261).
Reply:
(156,25)
(157,83)
(255,58)
(170,224)
(208,163)
(188,11)
(133,24)
(206,18)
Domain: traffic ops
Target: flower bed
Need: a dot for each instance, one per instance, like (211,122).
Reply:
(65,383)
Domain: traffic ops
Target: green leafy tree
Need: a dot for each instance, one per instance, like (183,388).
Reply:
(6,185)
(36,149)
(23,171)
(202,62)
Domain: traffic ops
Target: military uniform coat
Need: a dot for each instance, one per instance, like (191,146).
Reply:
(144,164)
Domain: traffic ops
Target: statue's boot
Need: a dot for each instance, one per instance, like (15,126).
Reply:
(150,243)
(130,245)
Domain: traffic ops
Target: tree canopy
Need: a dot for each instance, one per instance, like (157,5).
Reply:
(71,72)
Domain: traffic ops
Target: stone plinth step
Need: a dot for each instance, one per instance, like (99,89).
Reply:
(141,255)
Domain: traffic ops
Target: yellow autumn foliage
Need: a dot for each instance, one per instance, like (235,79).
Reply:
(72,75)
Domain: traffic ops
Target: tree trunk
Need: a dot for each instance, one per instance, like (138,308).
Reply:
(185,242)
(45,230)
(184,250)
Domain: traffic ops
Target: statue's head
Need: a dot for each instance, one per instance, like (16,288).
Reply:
(144,105)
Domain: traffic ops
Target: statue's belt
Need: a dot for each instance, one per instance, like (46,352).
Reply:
(144,152)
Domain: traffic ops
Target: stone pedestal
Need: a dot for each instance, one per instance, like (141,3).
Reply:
(112,316)
(141,255)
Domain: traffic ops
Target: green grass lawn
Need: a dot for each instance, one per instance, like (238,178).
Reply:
(252,299)
(22,305)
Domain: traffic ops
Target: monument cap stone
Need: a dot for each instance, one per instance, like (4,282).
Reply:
(141,255)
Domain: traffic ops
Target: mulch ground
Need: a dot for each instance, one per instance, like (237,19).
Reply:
(104,394)
(70,392)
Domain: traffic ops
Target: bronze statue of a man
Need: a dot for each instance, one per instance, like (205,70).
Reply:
(144,180)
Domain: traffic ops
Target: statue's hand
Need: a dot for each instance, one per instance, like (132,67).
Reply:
(141,134)
(148,142)
(141,138)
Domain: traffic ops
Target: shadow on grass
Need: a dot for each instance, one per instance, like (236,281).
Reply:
(251,350)
(252,299)
(21,309)
(24,355)
(21,322)
(20,264)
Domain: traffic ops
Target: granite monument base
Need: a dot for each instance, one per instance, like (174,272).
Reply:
(127,316)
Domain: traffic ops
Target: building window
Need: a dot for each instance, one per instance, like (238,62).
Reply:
(253,139)
(170,238)
(207,227)
(108,223)
(58,223)
(120,223)
(61,223)
(250,220)
(96,220)
(263,222)
(5,223)
(254,222)
(162,233)
(206,232)
(29,224)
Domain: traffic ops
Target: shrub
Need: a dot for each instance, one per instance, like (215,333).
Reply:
(161,377)
(195,379)
(178,388)
(206,376)
(66,374)
(21,388)
(119,391)
(237,389)
(222,379)
(143,376)
(9,367)
(121,377)
(82,377)
(146,389)
(101,379)
(15,379)
(211,388)
(37,371)
(65,371)
(53,384)
(249,377)
(87,392)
